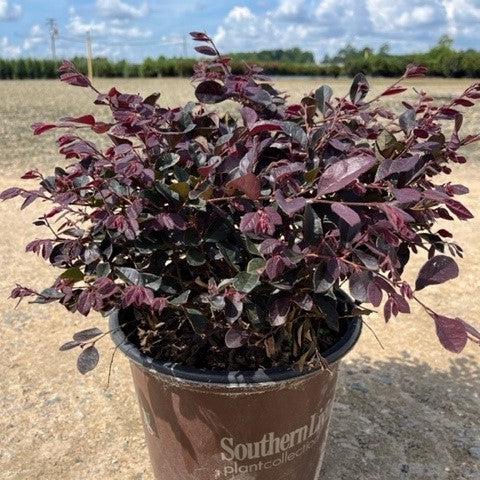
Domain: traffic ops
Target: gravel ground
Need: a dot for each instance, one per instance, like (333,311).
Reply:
(408,410)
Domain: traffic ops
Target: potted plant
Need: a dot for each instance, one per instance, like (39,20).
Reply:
(218,244)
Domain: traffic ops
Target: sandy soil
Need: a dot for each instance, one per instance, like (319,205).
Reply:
(409,410)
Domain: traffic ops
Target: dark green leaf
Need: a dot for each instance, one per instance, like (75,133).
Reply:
(407,120)
(296,132)
(195,257)
(312,225)
(167,160)
(103,269)
(322,97)
(197,320)
(181,299)
(73,273)
(359,88)
(325,275)
(246,282)
(256,265)
(129,275)
(328,306)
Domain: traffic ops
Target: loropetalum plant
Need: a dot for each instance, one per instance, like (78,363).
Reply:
(225,238)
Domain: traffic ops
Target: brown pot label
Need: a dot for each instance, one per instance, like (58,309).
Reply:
(220,433)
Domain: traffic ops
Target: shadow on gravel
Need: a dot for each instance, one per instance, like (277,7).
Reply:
(399,419)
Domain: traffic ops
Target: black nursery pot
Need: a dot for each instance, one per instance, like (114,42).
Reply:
(209,425)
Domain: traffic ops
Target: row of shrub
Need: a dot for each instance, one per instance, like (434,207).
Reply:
(450,64)
(442,60)
(166,67)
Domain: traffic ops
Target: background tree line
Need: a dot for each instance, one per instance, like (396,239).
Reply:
(442,60)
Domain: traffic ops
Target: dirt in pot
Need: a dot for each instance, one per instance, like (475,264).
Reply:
(298,342)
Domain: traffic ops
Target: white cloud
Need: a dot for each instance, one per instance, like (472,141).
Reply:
(120,9)
(404,14)
(78,26)
(116,27)
(36,36)
(239,14)
(8,50)
(324,26)
(9,11)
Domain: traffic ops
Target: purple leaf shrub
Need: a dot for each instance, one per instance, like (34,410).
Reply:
(226,237)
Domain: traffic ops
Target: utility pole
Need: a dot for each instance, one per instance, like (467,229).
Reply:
(53,30)
(89,56)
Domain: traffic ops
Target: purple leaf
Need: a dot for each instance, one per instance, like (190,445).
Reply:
(284,172)
(249,116)
(344,172)
(206,50)
(358,286)
(346,213)
(289,205)
(76,79)
(210,91)
(374,294)
(451,332)
(137,296)
(391,166)
(10,193)
(462,212)
(170,221)
(276,265)
(200,36)
(435,271)
(407,195)
(270,246)
(262,222)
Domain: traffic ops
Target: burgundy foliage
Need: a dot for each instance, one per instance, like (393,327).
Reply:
(227,237)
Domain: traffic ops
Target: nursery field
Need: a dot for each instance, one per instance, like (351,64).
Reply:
(409,410)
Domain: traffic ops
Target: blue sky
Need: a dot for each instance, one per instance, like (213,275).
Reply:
(134,29)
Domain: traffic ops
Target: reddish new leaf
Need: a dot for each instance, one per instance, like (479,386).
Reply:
(248,184)
(84,119)
(393,90)
(39,128)
(264,126)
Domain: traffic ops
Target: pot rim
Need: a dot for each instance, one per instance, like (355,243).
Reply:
(234,378)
